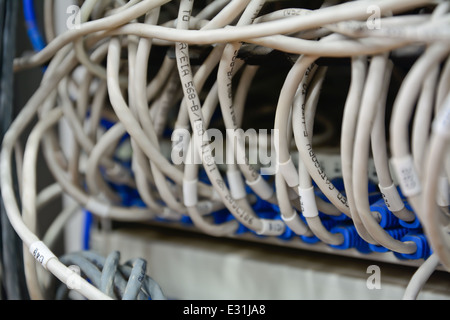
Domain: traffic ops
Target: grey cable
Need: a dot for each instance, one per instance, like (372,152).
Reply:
(127,281)
(108,273)
(135,279)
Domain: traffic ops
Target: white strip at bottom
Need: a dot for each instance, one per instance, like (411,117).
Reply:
(195,267)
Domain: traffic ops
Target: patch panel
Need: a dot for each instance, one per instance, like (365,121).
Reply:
(352,244)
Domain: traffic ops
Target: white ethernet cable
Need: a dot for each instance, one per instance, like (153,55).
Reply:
(350,116)
(304,112)
(401,157)
(389,191)
(420,277)
(238,207)
(345,11)
(38,249)
(436,223)
(369,103)
(141,108)
(226,66)
(423,118)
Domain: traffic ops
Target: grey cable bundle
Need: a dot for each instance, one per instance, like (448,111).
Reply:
(127,281)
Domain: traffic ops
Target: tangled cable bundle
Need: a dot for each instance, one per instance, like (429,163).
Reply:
(125,282)
(132,80)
